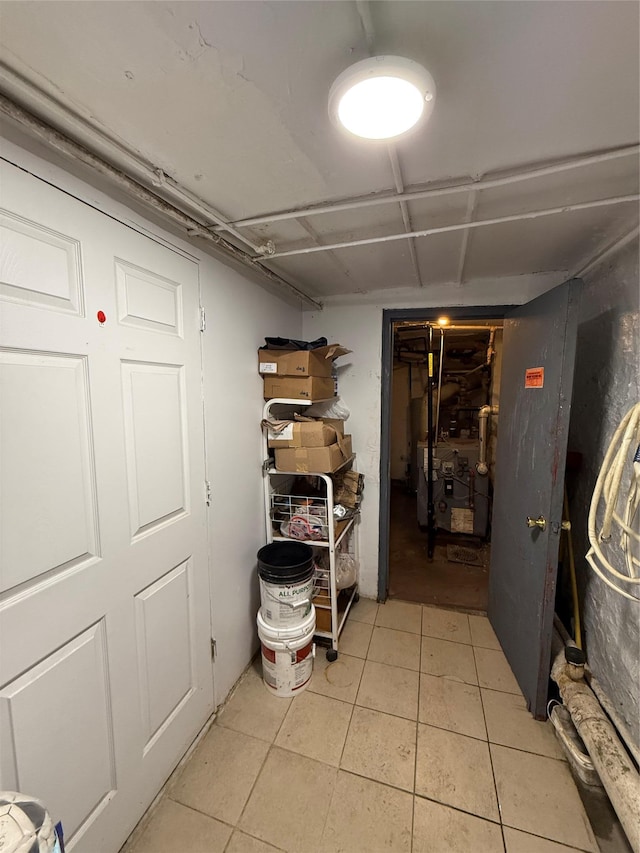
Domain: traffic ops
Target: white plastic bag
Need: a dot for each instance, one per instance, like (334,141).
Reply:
(335,409)
(346,571)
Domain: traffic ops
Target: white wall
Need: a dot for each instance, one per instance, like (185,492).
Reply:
(239,315)
(359,327)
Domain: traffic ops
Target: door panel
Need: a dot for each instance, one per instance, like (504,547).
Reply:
(39,266)
(47,459)
(165,629)
(532,443)
(81,716)
(104,595)
(148,300)
(155,444)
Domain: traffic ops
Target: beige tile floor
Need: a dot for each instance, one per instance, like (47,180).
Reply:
(415,740)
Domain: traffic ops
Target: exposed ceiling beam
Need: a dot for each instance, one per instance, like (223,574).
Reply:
(366,20)
(317,239)
(364,12)
(466,236)
(444,229)
(404,210)
(464,186)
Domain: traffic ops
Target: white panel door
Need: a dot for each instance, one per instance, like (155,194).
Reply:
(105,666)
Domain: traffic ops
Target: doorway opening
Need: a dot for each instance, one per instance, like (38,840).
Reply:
(444,396)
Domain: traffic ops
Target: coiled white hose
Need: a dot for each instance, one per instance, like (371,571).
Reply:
(620,454)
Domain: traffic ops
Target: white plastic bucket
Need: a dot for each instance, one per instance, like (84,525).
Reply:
(286,605)
(287,655)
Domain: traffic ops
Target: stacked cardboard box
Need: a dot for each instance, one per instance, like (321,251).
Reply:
(314,460)
(299,374)
(309,446)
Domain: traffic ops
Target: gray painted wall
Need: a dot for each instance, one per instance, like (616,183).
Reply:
(606,385)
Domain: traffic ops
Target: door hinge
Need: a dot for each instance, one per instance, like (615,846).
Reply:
(214,649)
(203,319)
(207,490)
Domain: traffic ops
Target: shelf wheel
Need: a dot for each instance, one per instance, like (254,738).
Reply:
(332,655)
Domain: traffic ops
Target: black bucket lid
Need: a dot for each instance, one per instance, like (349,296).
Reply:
(287,562)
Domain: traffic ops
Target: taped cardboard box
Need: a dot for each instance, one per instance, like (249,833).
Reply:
(298,387)
(314,460)
(302,434)
(315,362)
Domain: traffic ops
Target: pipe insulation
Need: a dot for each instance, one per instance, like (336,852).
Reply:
(68,147)
(617,773)
(619,724)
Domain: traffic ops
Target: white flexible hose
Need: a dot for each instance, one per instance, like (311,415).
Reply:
(608,485)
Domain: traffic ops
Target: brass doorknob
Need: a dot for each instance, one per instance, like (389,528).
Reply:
(540,522)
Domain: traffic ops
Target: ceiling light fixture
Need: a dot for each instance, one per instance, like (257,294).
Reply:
(382,97)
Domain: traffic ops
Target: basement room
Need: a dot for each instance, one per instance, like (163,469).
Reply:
(320,426)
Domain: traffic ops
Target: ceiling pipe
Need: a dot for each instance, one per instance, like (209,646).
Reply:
(119,154)
(445,229)
(54,139)
(526,174)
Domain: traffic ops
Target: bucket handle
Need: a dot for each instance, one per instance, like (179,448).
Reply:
(293,653)
(293,605)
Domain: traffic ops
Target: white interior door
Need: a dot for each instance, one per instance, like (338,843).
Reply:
(105,666)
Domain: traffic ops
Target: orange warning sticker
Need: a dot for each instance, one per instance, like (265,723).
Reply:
(534,377)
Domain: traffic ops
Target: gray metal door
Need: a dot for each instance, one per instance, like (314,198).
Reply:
(535,402)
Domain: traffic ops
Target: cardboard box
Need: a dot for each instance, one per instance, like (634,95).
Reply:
(298,387)
(303,434)
(313,460)
(335,423)
(323,616)
(315,362)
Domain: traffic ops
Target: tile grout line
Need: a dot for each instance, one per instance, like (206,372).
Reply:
(462,811)
(548,840)
(338,768)
(415,762)
(259,773)
(493,772)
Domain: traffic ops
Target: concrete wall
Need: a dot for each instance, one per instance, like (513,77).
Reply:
(607,384)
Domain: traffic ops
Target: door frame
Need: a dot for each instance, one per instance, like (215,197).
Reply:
(389,317)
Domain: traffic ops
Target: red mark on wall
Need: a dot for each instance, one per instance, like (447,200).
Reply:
(534,377)
(102,317)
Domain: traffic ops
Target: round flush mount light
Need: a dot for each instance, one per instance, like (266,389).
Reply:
(382,97)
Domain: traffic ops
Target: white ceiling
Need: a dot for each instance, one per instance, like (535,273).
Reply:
(229,100)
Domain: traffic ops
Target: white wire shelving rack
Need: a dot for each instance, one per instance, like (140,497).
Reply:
(337,535)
